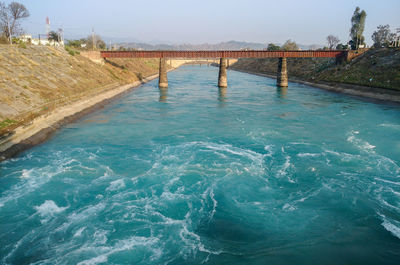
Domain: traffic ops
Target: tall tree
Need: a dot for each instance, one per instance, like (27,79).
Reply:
(382,36)
(10,18)
(333,41)
(357,28)
(290,46)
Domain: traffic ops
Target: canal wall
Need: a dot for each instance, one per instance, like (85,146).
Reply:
(373,74)
(35,80)
(373,68)
(42,88)
(373,93)
(25,137)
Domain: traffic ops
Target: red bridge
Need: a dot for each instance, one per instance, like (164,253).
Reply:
(223,54)
(282,79)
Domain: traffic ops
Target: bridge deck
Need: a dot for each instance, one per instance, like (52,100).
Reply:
(223,54)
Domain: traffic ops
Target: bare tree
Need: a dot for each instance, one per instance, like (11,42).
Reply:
(95,41)
(333,41)
(290,45)
(382,36)
(10,18)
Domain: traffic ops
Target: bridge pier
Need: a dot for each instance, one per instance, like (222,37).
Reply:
(222,78)
(162,77)
(282,77)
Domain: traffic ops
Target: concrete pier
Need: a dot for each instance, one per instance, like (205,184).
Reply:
(222,94)
(282,78)
(222,78)
(163,94)
(162,78)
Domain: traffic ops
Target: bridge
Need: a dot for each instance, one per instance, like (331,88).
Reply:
(282,78)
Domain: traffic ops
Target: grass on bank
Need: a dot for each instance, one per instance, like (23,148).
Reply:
(7,122)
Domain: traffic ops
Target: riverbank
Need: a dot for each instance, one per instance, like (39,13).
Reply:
(374,93)
(374,74)
(35,80)
(41,128)
(43,87)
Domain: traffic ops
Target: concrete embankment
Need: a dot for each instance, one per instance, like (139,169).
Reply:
(42,88)
(373,93)
(35,80)
(374,74)
(41,128)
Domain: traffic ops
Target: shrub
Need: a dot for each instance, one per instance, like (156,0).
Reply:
(16,40)
(6,123)
(69,50)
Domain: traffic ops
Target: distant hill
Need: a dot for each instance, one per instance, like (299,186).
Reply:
(230,45)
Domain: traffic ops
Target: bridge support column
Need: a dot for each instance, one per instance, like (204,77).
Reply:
(282,78)
(162,78)
(222,78)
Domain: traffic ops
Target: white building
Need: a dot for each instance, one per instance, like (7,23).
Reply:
(28,39)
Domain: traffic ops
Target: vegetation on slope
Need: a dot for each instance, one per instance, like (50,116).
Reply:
(375,68)
(36,79)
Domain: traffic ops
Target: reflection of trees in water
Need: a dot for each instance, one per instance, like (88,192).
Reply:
(163,95)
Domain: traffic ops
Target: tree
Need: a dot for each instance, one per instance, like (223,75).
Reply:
(341,46)
(357,28)
(95,42)
(273,47)
(333,41)
(54,36)
(77,43)
(290,46)
(10,18)
(382,36)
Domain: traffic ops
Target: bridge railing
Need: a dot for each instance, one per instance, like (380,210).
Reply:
(224,54)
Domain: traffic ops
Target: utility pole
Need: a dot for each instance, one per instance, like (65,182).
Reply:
(93,40)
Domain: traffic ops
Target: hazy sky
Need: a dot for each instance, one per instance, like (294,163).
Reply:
(212,21)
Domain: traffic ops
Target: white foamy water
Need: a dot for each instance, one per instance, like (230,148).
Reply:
(191,176)
(49,209)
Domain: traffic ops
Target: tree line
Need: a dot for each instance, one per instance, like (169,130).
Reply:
(382,37)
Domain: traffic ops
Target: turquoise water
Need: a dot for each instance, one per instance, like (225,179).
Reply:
(246,175)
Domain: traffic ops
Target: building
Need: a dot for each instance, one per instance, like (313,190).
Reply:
(40,41)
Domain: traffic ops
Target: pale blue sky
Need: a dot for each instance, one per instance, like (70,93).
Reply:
(212,21)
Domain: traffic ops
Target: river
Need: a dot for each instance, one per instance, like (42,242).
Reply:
(193,174)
